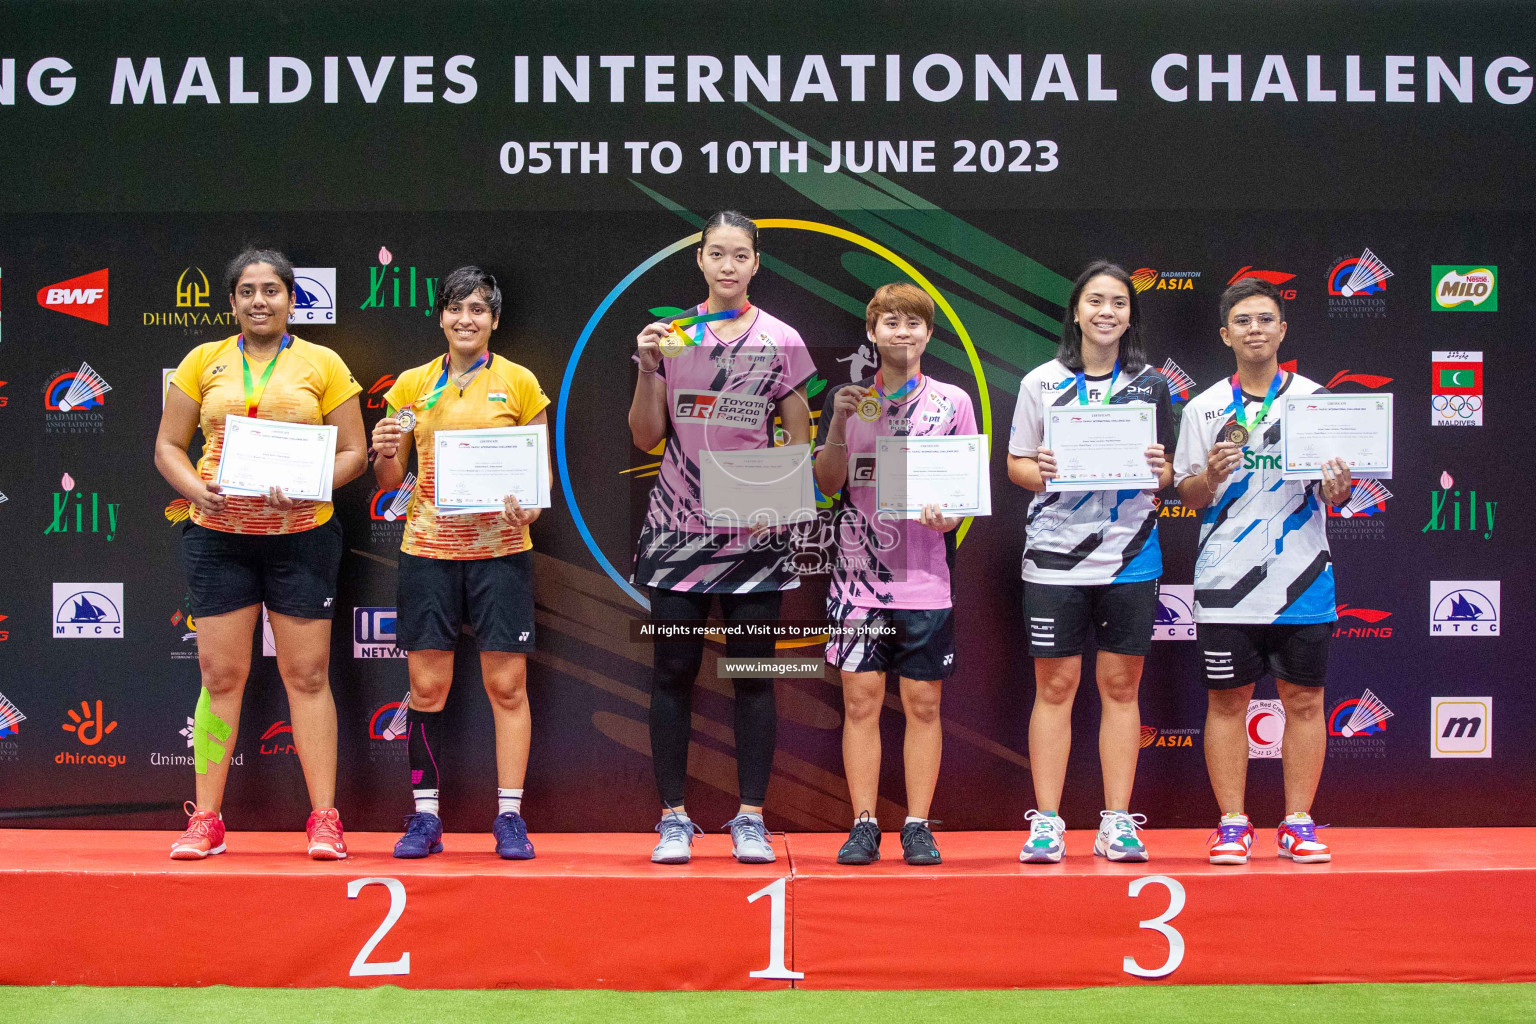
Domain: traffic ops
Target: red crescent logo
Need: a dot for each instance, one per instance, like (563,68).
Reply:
(1253,727)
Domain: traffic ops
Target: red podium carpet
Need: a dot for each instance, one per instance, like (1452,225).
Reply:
(110,908)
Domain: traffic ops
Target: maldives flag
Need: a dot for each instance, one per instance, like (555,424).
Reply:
(1460,374)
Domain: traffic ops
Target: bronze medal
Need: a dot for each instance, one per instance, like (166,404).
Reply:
(1236,433)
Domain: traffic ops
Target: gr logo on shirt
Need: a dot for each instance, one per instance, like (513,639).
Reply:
(721,408)
(861,471)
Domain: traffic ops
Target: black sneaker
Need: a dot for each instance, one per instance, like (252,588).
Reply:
(863,845)
(917,845)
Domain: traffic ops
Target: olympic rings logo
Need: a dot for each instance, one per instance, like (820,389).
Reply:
(1457,405)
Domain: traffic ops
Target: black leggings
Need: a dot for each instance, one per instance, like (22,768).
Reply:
(674,670)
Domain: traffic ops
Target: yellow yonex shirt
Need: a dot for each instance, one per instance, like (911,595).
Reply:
(308,383)
(504,394)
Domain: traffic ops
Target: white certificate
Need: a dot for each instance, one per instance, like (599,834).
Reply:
(1101,447)
(760,485)
(1355,428)
(949,471)
(262,454)
(476,469)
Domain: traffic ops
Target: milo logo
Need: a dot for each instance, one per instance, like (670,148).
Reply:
(1464,288)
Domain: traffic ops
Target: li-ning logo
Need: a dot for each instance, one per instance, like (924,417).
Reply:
(91,514)
(384,286)
(1446,508)
(272,742)
(1274,277)
(84,297)
(379,389)
(1370,616)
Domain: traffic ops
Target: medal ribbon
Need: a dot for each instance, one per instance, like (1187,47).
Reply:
(1109,392)
(699,320)
(253,393)
(900,393)
(428,400)
(1237,407)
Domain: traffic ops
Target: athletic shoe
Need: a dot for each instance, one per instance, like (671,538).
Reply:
(750,842)
(1297,839)
(1047,839)
(423,835)
(511,833)
(1117,836)
(863,845)
(1232,840)
(676,845)
(917,844)
(204,836)
(324,831)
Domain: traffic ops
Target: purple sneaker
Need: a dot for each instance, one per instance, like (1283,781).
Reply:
(423,836)
(511,833)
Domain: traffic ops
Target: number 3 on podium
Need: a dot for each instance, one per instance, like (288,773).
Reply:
(1160,924)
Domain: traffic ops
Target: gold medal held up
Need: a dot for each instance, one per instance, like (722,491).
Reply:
(1236,433)
(869,406)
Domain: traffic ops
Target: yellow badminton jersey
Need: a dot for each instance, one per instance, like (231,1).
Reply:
(309,382)
(504,394)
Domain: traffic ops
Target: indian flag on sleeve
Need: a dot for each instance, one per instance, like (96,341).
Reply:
(497,396)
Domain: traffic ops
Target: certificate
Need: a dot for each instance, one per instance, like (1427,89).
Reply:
(1355,428)
(759,485)
(1101,447)
(259,455)
(476,469)
(949,471)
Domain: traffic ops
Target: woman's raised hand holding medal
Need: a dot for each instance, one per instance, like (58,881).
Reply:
(648,345)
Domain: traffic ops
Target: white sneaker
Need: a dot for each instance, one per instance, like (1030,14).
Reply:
(1117,836)
(750,842)
(1047,839)
(676,845)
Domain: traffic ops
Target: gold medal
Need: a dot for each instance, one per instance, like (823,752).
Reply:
(869,407)
(671,345)
(1236,433)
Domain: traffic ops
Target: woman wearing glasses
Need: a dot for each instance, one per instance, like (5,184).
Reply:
(456,568)
(1090,556)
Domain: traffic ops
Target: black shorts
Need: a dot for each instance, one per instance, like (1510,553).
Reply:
(292,573)
(922,645)
(438,596)
(1238,653)
(1058,616)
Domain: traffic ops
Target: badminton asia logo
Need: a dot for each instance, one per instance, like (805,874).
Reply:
(87,611)
(1145,279)
(1152,736)
(73,401)
(1355,728)
(1456,389)
(1357,287)
(84,297)
(389,288)
(90,727)
(193,309)
(1278,278)
(1449,510)
(82,512)
(1464,608)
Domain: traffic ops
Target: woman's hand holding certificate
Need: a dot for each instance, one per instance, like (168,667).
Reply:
(476,470)
(1102,447)
(261,457)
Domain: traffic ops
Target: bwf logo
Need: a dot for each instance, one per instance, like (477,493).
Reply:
(1461,727)
(84,297)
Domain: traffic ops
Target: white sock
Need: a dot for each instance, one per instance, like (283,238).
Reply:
(911,819)
(426,800)
(509,800)
(872,820)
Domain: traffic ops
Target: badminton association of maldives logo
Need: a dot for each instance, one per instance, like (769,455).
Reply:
(1357,287)
(74,400)
(84,296)
(1355,727)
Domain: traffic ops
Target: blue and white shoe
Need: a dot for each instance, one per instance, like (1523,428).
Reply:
(1117,839)
(676,844)
(750,842)
(423,836)
(511,833)
(1047,840)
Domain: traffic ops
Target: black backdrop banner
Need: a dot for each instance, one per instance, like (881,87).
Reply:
(987,151)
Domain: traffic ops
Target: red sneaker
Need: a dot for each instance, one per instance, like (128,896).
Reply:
(324,831)
(203,838)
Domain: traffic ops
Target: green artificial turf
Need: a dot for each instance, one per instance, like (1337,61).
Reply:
(1333,1004)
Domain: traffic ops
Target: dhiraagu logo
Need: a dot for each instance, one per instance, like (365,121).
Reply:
(1473,289)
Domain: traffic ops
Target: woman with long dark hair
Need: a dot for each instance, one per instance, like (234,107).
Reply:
(1090,556)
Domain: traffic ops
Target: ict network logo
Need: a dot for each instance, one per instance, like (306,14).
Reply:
(1464,608)
(1278,278)
(88,611)
(1175,617)
(73,401)
(1461,289)
(314,295)
(1357,287)
(82,512)
(373,633)
(84,297)
(1456,389)
(1461,727)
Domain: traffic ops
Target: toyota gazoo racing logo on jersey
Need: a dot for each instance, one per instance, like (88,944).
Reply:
(1356,725)
(1175,617)
(1361,623)
(720,408)
(1464,608)
(314,296)
(373,633)
(1278,278)
(1357,287)
(1464,289)
(1146,279)
(87,611)
(73,402)
(1266,728)
(84,297)
(1456,389)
